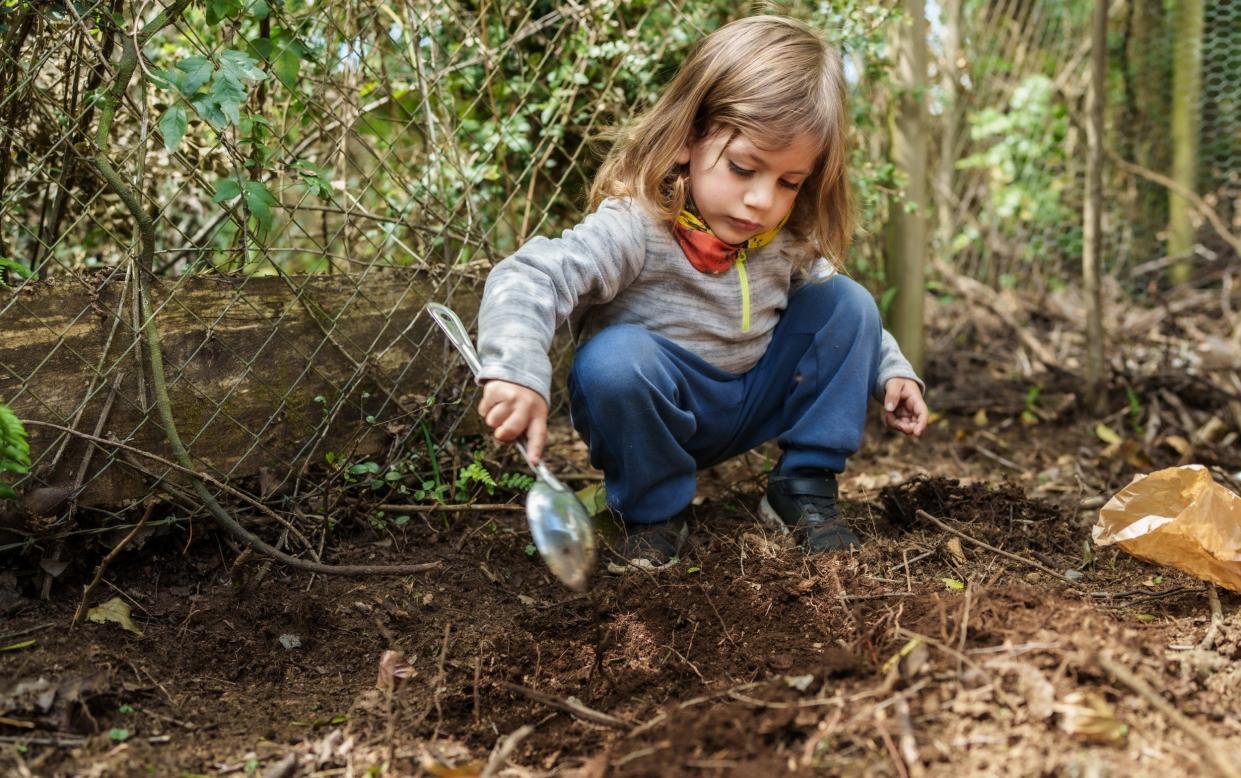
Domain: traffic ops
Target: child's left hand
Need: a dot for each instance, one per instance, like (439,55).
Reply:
(904,410)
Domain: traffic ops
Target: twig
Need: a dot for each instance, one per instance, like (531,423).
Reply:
(1016,558)
(1194,199)
(463,508)
(10,635)
(1217,619)
(908,743)
(569,705)
(1213,749)
(504,748)
(103,565)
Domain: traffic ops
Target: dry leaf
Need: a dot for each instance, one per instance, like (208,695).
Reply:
(393,669)
(116,611)
(1106,434)
(954,548)
(1089,717)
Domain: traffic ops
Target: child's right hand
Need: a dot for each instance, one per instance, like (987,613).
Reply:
(511,409)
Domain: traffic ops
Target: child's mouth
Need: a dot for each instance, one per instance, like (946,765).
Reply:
(743,225)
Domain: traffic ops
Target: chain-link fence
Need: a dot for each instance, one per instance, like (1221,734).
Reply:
(284,185)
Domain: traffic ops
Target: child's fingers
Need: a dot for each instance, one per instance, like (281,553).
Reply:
(892,395)
(511,427)
(536,436)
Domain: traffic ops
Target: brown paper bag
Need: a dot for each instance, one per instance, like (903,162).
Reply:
(1178,517)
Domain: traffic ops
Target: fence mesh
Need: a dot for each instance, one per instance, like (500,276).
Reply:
(314,172)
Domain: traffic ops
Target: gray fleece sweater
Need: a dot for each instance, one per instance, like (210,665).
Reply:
(618,266)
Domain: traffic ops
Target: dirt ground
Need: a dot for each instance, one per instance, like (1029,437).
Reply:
(923,653)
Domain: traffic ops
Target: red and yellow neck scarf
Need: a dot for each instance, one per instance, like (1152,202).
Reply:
(706,252)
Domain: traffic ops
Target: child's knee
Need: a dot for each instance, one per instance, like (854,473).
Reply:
(854,302)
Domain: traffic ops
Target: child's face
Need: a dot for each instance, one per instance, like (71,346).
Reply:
(740,189)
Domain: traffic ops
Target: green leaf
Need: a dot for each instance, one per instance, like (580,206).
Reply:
(219,10)
(240,66)
(14,266)
(173,124)
(228,94)
(954,584)
(287,66)
(7,493)
(259,201)
(197,72)
(119,734)
(226,189)
(209,110)
(163,79)
(115,610)
(258,9)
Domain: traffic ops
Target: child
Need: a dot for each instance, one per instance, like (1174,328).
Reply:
(703,295)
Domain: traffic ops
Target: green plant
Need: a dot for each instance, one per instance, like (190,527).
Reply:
(1030,414)
(14,449)
(1135,410)
(518,482)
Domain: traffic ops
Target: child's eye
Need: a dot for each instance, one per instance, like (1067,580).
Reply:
(734,167)
(789,185)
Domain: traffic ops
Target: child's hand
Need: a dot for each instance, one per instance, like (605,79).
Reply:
(511,409)
(904,410)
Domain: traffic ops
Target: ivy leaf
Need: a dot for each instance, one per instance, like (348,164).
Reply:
(197,72)
(259,201)
(173,124)
(226,189)
(259,10)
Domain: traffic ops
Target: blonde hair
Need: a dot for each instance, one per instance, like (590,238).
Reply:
(768,78)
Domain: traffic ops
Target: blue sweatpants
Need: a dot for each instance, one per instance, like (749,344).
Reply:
(654,413)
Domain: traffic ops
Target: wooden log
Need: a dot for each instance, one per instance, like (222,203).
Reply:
(256,368)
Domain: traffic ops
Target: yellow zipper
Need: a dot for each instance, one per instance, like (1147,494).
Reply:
(744,278)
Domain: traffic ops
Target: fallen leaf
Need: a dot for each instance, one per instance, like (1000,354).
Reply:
(953,583)
(980,418)
(116,611)
(1089,717)
(393,669)
(594,497)
(1106,434)
(955,549)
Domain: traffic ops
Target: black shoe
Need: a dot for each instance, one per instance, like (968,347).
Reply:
(807,506)
(650,545)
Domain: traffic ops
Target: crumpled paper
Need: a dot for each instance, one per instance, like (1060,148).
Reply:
(1178,517)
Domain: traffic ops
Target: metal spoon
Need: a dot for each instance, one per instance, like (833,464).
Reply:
(558,521)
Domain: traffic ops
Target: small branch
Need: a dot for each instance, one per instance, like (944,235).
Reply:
(569,705)
(1194,199)
(1029,562)
(103,565)
(463,508)
(504,749)
(1217,619)
(1213,750)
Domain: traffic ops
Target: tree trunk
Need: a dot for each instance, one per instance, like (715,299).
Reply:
(1186,100)
(944,188)
(1147,84)
(1092,245)
(906,261)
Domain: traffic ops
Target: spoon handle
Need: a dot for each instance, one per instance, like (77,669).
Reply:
(457,334)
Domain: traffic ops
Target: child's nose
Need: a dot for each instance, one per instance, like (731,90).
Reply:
(759,196)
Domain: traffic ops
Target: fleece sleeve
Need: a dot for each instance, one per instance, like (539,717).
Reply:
(531,293)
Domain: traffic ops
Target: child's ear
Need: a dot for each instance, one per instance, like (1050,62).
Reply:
(683,155)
